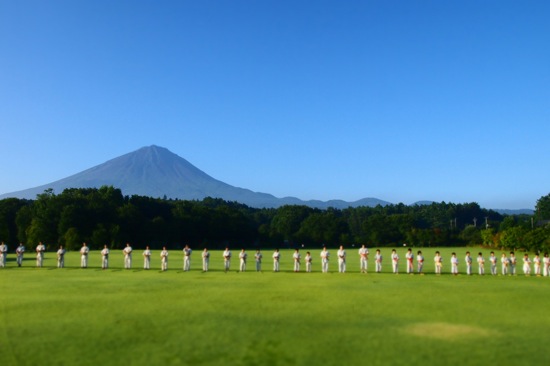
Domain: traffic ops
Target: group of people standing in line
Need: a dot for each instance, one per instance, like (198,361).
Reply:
(508,264)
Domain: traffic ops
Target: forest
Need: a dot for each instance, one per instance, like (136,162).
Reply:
(100,216)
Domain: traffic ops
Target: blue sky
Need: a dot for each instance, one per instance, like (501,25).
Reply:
(398,100)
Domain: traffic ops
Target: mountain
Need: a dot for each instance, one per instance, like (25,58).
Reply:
(157,172)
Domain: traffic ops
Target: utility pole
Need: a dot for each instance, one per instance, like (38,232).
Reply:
(475,221)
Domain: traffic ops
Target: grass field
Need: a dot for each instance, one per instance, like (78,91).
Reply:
(76,316)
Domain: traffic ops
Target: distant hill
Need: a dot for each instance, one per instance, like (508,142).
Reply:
(157,172)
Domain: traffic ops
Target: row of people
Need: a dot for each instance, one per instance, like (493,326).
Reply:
(508,264)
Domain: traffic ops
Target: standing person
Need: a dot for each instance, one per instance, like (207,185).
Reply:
(242,260)
(3,254)
(409,256)
(205,260)
(537,265)
(481,264)
(19,252)
(147,258)
(454,264)
(296,257)
(164,259)
(526,265)
(187,258)
(105,257)
(308,259)
(127,256)
(546,265)
(40,249)
(420,262)
(226,259)
(363,258)
(513,262)
(468,260)
(324,260)
(84,256)
(341,259)
(438,261)
(258,258)
(493,261)
(61,257)
(395,261)
(505,262)
(276,259)
(378,261)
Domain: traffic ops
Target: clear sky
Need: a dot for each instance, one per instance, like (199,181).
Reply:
(398,100)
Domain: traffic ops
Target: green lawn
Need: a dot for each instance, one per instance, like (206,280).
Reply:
(70,316)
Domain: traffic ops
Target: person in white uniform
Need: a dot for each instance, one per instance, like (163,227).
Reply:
(526,265)
(325,255)
(420,262)
(493,261)
(187,258)
(363,258)
(395,261)
(226,259)
(505,262)
(296,257)
(3,254)
(468,260)
(341,259)
(438,262)
(20,251)
(513,262)
(40,249)
(61,257)
(205,260)
(127,256)
(546,265)
(242,260)
(258,258)
(276,258)
(105,257)
(164,259)
(84,251)
(537,265)
(409,256)
(309,261)
(378,261)
(147,258)
(481,264)
(454,264)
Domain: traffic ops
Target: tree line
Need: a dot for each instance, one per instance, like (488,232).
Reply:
(100,216)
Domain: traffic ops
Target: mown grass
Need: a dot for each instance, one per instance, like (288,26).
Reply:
(88,316)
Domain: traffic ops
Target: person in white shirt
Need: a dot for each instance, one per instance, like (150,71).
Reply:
(341,259)
(409,256)
(127,256)
(105,257)
(296,257)
(3,254)
(537,265)
(513,262)
(40,249)
(395,261)
(481,264)
(546,265)
(258,258)
(420,262)
(526,265)
(438,262)
(164,259)
(242,260)
(226,259)
(324,260)
(308,260)
(205,260)
(147,258)
(19,252)
(468,260)
(505,262)
(493,261)
(187,258)
(378,261)
(61,257)
(276,259)
(363,258)
(454,264)
(84,256)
